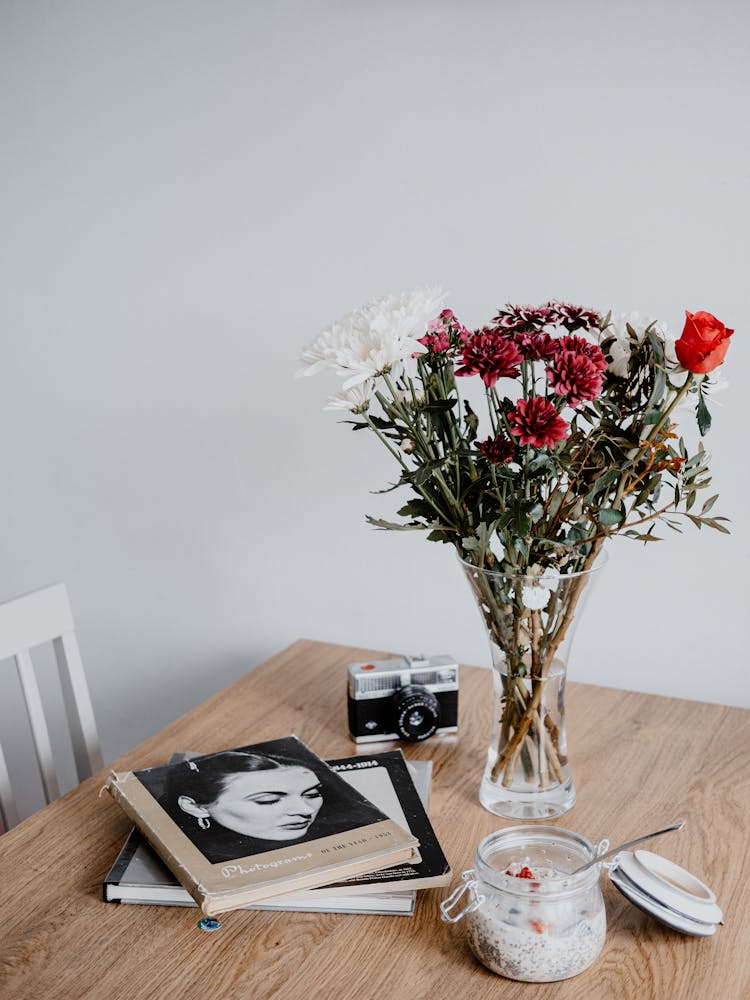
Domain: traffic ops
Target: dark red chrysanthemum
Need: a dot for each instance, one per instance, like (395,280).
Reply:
(574,376)
(498,450)
(524,319)
(491,356)
(579,345)
(574,317)
(536,422)
(536,346)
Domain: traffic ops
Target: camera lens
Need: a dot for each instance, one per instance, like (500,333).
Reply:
(417,713)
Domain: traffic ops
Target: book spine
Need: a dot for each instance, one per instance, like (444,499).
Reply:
(117,789)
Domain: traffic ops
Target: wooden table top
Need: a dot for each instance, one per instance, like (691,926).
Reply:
(638,762)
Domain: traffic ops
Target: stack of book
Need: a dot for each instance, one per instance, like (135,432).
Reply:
(272,826)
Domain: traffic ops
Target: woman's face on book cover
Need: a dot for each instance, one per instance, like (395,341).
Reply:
(278,804)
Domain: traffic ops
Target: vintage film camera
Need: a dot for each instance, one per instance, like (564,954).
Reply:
(408,698)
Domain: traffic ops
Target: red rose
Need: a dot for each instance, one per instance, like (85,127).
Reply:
(703,344)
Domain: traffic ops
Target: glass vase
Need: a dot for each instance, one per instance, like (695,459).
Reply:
(530,623)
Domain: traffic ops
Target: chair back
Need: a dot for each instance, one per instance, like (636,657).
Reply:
(29,621)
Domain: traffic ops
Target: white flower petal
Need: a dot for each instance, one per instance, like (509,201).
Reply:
(379,337)
(355,400)
(622,346)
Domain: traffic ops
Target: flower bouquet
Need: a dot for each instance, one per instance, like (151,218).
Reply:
(577,439)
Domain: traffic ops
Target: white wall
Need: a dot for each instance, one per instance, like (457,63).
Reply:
(193,189)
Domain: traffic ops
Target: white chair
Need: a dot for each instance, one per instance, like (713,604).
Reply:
(29,621)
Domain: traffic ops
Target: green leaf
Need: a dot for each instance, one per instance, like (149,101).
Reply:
(609,516)
(421,475)
(660,378)
(603,481)
(438,536)
(439,406)
(709,504)
(536,512)
(643,538)
(376,522)
(542,461)
(702,415)
(652,417)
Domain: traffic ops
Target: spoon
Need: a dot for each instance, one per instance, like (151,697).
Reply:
(630,843)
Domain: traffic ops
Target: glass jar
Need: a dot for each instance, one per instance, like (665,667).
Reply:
(528,918)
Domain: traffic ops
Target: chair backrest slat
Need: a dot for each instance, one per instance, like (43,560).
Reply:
(8,811)
(80,712)
(30,621)
(39,731)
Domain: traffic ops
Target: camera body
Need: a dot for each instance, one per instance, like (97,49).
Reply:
(406,698)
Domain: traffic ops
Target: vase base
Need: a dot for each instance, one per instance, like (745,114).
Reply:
(544,804)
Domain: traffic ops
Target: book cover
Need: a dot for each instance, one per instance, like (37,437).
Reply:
(245,825)
(139,876)
(386,780)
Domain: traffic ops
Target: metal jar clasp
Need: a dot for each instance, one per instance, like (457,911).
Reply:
(448,906)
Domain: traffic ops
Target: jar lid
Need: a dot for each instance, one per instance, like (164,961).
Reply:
(667,892)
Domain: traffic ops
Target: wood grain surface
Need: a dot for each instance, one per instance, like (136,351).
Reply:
(638,762)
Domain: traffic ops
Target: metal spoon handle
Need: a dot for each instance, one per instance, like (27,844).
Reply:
(630,843)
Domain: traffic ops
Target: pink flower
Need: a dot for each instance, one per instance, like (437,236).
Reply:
(491,356)
(437,342)
(444,332)
(536,422)
(579,345)
(574,376)
(498,450)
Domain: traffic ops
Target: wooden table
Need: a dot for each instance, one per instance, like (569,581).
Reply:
(638,762)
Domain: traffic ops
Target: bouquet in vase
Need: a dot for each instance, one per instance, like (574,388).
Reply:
(526,444)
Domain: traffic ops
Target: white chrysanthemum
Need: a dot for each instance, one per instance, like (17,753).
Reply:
(379,337)
(323,352)
(621,347)
(355,400)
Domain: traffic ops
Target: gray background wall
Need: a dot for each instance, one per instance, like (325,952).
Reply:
(191,190)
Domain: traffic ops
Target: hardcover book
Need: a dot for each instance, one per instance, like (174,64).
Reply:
(245,825)
(139,876)
(384,778)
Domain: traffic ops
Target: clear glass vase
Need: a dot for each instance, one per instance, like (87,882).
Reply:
(530,622)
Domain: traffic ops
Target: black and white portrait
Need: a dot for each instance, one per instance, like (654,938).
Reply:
(243,802)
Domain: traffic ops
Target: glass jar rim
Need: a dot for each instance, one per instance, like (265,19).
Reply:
(599,563)
(555,888)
